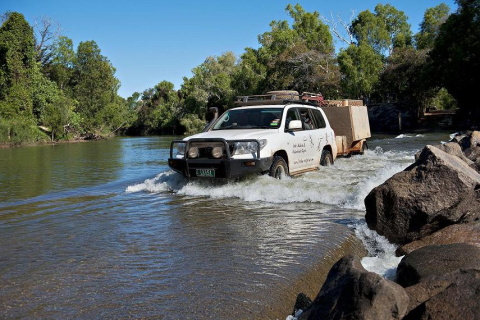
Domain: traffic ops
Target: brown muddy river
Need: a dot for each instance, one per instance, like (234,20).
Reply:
(105,230)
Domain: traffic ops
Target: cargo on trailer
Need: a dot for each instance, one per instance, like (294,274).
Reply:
(349,120)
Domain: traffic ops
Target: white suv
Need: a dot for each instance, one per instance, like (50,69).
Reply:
(281,139)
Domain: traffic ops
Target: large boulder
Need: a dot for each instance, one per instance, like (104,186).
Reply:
(457,233)
(452,296)
(451,148)
(351,292)
(436,260)
(423,291)
(472,153)
(436,191)
(474,139)
(471,139)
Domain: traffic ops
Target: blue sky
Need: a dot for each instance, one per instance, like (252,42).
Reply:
(151,41)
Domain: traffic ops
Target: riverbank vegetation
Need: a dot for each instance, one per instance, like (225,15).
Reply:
(50,91)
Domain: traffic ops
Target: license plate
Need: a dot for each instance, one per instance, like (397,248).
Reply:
(209,173)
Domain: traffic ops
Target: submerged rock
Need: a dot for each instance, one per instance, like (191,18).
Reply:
(436,191)
(452,296)
(351,292)
(457,233)
(436,260)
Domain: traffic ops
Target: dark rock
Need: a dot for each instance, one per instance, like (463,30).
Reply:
(436,191)
(457,233)
(301,303)
(351,292)
(472,153)
(436,260)
(423,291)
(471,140)
(453,296)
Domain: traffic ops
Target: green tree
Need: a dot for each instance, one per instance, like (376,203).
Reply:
(250,76)
(159,109)
(360,67)
(310,28)
(192,124)
(211,84)
(405,79)
(430,26)
(299,57)
(94,84)
(384,30)
(62,63)
(455,58)
(17,60)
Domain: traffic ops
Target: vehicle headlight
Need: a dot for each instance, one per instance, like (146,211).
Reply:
(248,147)
(181,149)
(193,152)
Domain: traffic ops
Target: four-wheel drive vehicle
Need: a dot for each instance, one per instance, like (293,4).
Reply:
(286,138)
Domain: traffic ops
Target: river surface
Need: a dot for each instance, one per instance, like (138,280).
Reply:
(105,230)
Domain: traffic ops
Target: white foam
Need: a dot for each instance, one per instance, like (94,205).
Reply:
(381,259)
(345,184)
(404,135)
(165,181)
(453,135)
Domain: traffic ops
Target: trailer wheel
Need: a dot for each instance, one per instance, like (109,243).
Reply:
(326,159)
(364,147)
(279,168)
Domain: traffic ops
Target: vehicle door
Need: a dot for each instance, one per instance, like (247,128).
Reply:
(299,143)
(322,136)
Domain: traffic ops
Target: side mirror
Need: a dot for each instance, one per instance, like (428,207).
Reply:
(295,125)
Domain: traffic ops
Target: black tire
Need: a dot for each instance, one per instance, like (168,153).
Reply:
(326,159)
(279,168)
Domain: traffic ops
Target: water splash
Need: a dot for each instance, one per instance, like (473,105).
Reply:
(381,259)
(344,185)
(404,135)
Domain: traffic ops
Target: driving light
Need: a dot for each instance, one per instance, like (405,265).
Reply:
(217,152)
(193,152)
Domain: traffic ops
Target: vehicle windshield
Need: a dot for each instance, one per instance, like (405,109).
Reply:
(251,118)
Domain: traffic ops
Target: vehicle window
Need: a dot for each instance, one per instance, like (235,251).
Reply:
(307,121)
(292,114)
(251,118)
(319,119)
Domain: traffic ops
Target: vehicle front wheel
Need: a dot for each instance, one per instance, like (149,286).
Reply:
(326,159)
(279,168)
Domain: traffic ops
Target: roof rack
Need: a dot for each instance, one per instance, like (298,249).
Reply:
(280,97)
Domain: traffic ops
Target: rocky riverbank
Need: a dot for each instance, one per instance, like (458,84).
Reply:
(432,211)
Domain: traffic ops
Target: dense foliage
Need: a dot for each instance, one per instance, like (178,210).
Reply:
(49,90)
